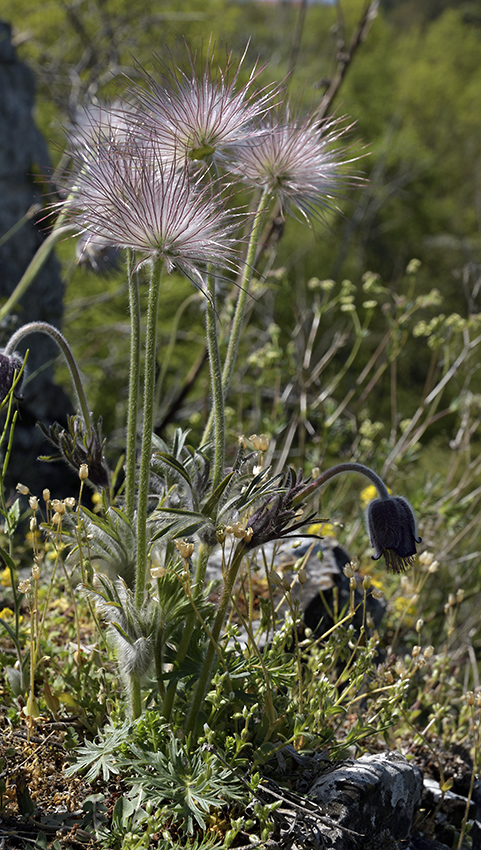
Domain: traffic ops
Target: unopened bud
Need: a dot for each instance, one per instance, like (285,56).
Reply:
(428,652)
(69,502)
(419,624)
(23,490)
(157,572)
(366,583)
(459,595)
(35,572)
(274,579)
(33,502)
(83,472)
(58,506)
(46,495)
(302,576)
(470,697)
(33,523)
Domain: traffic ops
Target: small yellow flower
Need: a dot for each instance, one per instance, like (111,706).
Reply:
(5,578)
(324,529)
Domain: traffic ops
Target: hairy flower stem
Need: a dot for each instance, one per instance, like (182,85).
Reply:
(145,453)
(148,417)
(216,384)
(206,672)
(238,320)
(339,469)
(134,383)
(54,333)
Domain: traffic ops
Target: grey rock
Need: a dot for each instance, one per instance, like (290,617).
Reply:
(370,802)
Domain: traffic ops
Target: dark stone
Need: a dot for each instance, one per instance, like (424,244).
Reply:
(23,151)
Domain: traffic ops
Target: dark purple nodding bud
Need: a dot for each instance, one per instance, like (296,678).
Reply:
(10,365)
(391,524)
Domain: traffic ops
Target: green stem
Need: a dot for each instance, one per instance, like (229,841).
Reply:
(216,384)
(206,672)
(54,333)
(148,417)
(134,383)
(238,320)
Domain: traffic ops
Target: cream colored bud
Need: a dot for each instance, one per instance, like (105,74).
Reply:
(57,518)
(238,531)
(451,600)
(184,548)
(46,495)
(248,534)
(459,595)
(416,651)
(157,572)
(33,523)
(353,582)
(429,652)
(23,490)
(35,572)
(426,558)
(378,593)
(33,502)
(69,502)
(315,472)
(419,624)
(83,472)
(58,506)
(24,586)
(302,575)
(366,583)
(260,442)
(434,567)
(470,697)
(348,571)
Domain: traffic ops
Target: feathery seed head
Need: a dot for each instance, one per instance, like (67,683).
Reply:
(133,199)
(296,161)
(198,117)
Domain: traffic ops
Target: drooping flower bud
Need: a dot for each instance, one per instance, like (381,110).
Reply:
(392,529)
